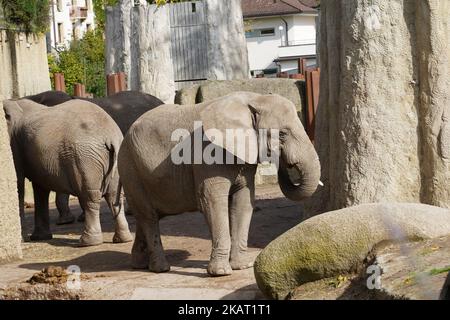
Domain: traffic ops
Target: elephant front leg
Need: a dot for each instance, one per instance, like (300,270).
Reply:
(90,203)
(41,215)
(62,203)
(214,204)
(241,210)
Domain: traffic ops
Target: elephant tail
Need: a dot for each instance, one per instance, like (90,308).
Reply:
(113,150)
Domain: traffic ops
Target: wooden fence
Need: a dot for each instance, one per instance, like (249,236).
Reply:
(312,79)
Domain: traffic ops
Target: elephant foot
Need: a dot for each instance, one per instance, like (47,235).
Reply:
(65,219)
(241,262)
(159,264)
(41,236)
(139,260)
(219,268)
(81,217)
(122,237)
(88,240)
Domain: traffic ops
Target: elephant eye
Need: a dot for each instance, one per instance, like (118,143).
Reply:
(283,135)
(7,116)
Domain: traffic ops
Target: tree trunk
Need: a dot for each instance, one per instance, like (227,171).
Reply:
(382,130)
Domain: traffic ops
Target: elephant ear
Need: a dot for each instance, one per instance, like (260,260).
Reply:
(13,111)
(230,124)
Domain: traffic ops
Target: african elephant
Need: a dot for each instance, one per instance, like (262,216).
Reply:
(124,107)
(72,149)
(156,186)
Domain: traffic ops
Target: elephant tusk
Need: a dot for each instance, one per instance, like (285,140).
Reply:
(321,183)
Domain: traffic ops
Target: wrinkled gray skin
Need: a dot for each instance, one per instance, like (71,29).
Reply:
(72,149)
(124,107)
(156,187)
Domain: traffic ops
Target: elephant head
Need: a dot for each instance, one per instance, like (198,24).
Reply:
(299,166)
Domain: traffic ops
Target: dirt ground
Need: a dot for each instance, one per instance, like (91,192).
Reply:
(106,269)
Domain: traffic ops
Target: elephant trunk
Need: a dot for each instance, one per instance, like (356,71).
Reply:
(300,180)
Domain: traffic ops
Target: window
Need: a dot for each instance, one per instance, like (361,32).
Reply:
(194,7)
(60,33)
(74,31)
(88,27)
(255,33)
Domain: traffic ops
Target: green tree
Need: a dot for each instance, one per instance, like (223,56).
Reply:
(31,16)
(83,62)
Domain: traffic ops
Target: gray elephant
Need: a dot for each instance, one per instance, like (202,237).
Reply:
(156,186)
(124,107)
(72,149)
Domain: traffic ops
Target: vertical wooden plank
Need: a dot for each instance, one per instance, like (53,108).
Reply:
(310,106)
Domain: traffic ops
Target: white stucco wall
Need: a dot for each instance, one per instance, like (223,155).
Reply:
(62,15)
(263,51)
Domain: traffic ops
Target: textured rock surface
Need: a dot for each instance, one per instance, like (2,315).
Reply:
(138,43)
(382,130)
(10,232)
(414,270)
(23,60)
(227,47)
(339,241)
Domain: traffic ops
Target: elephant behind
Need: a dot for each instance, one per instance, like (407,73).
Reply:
(123,107)
(157,186)
(72,149)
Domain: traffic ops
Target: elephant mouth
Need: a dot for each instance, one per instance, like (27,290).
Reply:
(295,176)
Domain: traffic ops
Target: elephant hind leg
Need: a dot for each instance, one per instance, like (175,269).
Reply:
(90,203)
(147,249)
(41,215)
(139,253)
(62,203)
(157,261)
(114,199)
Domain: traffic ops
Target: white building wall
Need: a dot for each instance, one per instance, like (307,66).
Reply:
(63,24)
(262,51)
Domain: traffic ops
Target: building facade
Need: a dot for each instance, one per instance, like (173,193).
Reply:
(279,33)
(70,19)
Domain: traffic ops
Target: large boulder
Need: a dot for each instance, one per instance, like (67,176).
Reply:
(210,90)
(10,232)
(339,241)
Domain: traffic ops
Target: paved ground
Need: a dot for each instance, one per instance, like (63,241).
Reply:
(106,269)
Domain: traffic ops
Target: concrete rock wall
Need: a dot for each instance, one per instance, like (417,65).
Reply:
(24,65)
(10,232)
(382,129)
(227,47)
(138,42)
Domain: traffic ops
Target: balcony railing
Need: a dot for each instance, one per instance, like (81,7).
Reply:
(293,43)
(78,13)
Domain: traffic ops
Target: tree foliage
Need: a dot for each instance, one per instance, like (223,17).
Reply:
(83,62)
(31,16)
